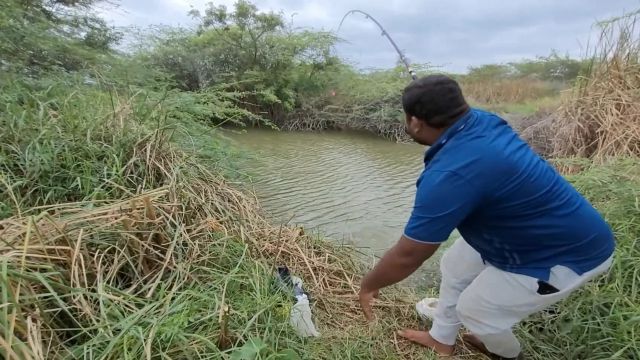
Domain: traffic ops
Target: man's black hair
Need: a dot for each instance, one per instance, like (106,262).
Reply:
(436,99)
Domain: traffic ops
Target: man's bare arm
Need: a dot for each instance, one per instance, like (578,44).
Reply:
(400,261)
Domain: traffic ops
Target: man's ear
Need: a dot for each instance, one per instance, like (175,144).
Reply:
(419,124)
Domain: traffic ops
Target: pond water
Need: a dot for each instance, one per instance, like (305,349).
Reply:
(353,187)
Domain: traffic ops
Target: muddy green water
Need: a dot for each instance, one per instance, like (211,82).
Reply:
(353,187)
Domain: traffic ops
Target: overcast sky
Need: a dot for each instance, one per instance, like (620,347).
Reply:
(453,34)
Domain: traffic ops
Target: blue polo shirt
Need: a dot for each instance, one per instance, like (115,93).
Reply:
(507,202)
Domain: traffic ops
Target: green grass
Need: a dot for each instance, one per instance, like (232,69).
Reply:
(167,246)
(76,143)
(62,141)
(602,320)
(122,240)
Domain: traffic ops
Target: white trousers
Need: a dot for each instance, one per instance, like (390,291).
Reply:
(489,301)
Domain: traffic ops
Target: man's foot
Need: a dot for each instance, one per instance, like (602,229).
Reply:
(473,341)
(424,338)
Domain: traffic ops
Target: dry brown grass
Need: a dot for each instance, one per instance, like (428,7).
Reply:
(66,268)
(601,118)
(500,91)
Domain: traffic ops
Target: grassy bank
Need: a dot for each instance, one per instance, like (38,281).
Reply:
(119,243)
(600,321)
(122,236)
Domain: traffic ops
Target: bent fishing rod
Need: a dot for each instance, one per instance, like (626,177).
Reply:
(403,58)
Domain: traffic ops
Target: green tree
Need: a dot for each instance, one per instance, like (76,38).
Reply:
(255,53)
(490,72)
(40,35)
(553,68)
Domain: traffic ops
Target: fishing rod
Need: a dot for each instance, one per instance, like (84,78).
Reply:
(403,58)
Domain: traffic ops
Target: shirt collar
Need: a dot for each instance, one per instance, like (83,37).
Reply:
(454,129)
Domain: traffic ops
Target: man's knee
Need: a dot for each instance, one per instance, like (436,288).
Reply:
(475,318)
(468,314)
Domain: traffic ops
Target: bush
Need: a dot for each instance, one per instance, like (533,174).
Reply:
(600,119)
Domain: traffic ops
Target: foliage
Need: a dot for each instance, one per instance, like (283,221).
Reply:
(490,72)
(37,35)
(64,140)
(547,68)
(292,78)
(551,68)
(139,244)
(601,320)
(356,100)
(253,52)
(525,81)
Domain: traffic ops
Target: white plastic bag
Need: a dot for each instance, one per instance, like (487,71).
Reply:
(301,318)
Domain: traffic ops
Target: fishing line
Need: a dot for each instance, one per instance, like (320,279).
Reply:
(403,58)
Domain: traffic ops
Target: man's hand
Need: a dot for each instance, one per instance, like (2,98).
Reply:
(398,263)
(366,297)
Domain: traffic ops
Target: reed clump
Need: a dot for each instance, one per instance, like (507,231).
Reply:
(600,119)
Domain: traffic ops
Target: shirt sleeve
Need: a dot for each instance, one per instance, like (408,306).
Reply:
(443,200)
